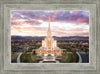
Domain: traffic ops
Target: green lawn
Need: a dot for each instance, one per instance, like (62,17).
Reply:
(67,58)
(70,57)
(29,58)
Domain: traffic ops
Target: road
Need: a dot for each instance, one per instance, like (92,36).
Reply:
(84,56)
(14,57)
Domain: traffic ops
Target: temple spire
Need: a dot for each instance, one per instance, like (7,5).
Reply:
(49,32)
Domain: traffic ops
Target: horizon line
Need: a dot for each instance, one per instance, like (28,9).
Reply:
(44,36)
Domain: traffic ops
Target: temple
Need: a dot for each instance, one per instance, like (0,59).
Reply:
(49,45)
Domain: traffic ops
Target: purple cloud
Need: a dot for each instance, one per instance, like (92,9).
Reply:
(56,16)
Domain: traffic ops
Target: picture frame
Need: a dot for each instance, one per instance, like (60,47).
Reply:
(92,67)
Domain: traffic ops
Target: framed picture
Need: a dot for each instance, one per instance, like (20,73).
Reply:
(39,37)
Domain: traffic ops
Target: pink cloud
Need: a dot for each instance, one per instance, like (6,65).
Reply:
(25,22)
(82,20)
(76,29)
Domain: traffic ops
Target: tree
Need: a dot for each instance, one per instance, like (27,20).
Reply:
(33,52)
(74,55)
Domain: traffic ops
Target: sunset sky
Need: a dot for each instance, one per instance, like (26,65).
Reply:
(63,23)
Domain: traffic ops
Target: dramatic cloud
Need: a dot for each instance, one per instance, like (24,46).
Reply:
(63,23)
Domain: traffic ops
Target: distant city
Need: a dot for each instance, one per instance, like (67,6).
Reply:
(80,43)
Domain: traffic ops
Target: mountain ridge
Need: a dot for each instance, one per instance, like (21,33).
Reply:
(42,37)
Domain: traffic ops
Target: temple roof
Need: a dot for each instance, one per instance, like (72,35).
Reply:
(49,31)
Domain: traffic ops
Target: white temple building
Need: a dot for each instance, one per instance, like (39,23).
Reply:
(49,45)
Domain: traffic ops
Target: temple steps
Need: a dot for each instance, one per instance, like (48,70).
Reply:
(49,61)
